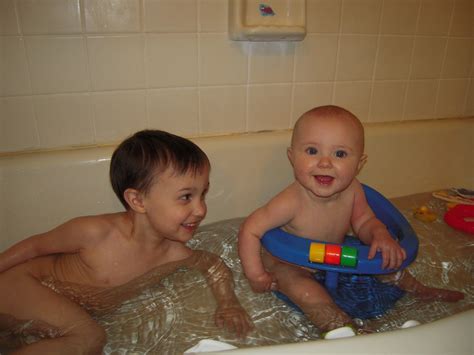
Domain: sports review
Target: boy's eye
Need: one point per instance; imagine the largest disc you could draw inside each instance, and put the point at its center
(311, 151)
(341, 154)
(186, 197)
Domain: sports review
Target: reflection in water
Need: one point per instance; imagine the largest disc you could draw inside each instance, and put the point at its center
(173, 314)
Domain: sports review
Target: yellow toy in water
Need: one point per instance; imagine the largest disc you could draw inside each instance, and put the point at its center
(424, 214)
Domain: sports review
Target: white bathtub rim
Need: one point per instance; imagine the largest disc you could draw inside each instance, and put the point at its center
(450, 335)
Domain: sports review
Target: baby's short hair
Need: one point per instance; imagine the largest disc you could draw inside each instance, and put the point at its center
(330, 111)
(138, 159)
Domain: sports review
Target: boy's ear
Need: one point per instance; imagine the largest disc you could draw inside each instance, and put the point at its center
(362, 161)
(134, 199)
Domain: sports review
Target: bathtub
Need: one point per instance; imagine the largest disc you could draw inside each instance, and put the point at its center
(40, 190)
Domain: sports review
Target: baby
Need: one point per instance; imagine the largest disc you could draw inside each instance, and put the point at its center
(53, 282)
(323, 203)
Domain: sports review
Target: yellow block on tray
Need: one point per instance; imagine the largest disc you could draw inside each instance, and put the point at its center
(316, 252)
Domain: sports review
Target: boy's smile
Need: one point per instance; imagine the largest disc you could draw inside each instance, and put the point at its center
(191, 227)
(175, 204)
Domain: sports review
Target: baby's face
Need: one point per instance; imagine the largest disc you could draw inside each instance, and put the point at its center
(176, 205)
(326, 154)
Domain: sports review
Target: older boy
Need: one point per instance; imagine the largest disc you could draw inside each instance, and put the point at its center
(51, 282)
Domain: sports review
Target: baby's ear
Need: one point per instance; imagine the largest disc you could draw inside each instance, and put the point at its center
(362, 161)
(134, 199)
(289, 154)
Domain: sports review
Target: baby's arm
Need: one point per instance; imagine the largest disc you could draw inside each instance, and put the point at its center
(229, 312)
(66, 238)
(373, 232)
(276, 213)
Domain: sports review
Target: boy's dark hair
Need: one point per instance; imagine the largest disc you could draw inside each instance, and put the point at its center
(139, 158)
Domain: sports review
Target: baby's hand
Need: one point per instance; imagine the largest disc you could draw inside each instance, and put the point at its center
(263, 283)
(392, 254)
(234, 318)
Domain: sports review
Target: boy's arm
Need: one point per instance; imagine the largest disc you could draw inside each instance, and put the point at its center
(219, 277)
(278, 212)
(66, 238)
(373, 232)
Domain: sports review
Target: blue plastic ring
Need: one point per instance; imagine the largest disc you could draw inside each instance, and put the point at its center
(295, 249)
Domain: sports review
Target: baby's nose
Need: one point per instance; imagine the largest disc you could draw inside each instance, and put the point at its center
(325, 162)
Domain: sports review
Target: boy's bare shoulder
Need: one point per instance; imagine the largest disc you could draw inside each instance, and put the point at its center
(100, 225)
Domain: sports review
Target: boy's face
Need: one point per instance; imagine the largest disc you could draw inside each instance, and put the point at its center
(175, 204)
(326, 154)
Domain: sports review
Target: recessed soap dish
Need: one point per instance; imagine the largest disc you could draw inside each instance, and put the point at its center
(270, 20)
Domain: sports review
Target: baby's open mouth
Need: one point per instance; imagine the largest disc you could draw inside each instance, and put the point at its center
(324, 179)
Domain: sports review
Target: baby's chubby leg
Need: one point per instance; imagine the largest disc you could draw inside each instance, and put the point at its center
(410, 284)
(25, 298)
(300, 286)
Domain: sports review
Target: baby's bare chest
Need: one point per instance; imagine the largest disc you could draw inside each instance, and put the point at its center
(326, 222)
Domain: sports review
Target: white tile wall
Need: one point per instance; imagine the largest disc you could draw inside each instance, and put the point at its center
(269, 107)
(458, 60)
(172, 59)
(271, 62)
(8, 18)
(112, 16)
(435, 17)
(421, 99)
(64, 119)
(18, 128)
(356, 57)
(355, 96)
(462, 23)
(174, 110)
(393, 58)
(14, 68)
(428, 57)
(388, 98)
(80, 72)
(316, 58)
(323, 16)
(307, 95)
(451, 97)
(361, 16)
(170, 15)
(117, 113)
(223, 109)
(57, 64)
(221, 61)
(399, 17)
(117, 62)
(49, 17)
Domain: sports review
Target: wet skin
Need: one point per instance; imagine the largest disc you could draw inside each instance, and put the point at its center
(40, 275)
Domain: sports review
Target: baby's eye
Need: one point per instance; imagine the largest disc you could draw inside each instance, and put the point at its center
(341, 154)
(311, 151)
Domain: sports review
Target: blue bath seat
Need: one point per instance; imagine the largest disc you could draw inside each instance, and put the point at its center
(353, 288)
(295, 249)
